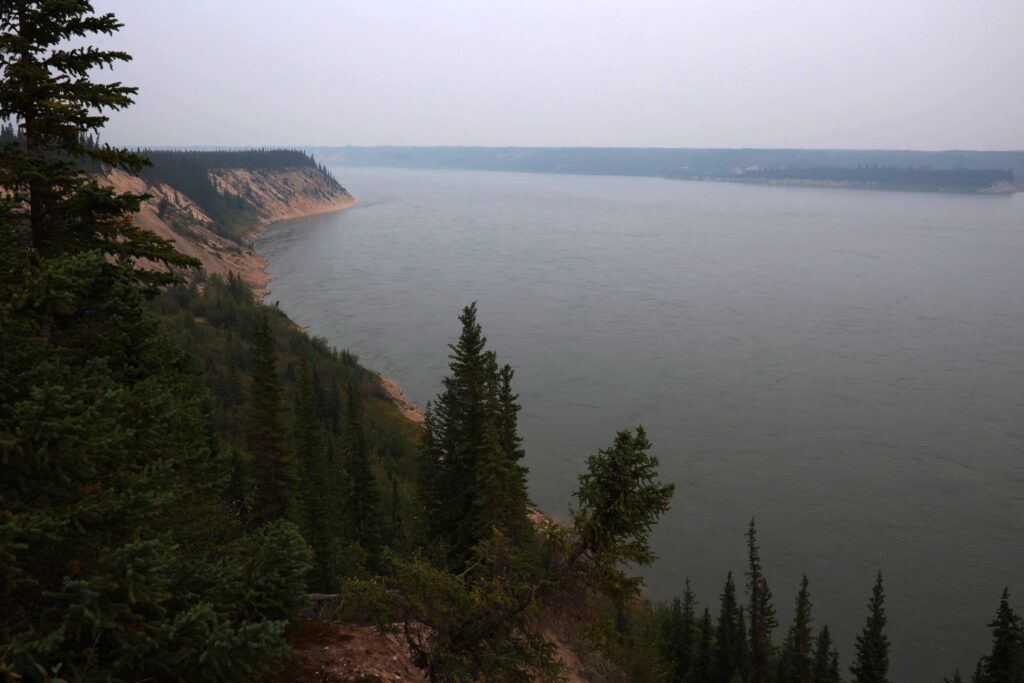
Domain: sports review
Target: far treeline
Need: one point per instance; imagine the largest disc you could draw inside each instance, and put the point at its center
(184, 472)
(665, 162)
(884, 177)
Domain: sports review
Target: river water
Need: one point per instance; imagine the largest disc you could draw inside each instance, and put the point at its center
(845, 366)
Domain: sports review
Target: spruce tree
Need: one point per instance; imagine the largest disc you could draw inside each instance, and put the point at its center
(1005, 663)
(316, 482)
(679, 634)
(704, 662)
(762, 612)
(46, 91)
(872, 653)
(727, 637)
(275, 494)
(826, 659)
(365, 497)
(746, 673)
(619, 500)
(471, 478)
(120, 557)
(796, 661)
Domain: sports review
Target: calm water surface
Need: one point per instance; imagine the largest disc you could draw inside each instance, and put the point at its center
(846, 366)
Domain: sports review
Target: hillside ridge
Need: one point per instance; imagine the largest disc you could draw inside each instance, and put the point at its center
(270, 194)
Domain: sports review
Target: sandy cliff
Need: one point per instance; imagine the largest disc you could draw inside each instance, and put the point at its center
(276, 195)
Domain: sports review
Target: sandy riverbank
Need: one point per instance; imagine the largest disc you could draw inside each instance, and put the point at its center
(256, 275)
(409, 409)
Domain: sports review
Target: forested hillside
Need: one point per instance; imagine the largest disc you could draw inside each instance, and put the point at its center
(185, 472)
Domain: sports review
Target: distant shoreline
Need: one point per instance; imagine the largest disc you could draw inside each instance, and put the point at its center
(1001, 188)
(961, 171)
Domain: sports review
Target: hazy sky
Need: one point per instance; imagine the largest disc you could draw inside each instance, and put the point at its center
(888, 74)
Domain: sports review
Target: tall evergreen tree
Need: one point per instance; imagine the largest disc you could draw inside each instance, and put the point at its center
(796, 661)
(704, 662)
(619, 500)
(319, 487)
(472, 480)
(276, 492)
(728, 647)
(47, 92)
(507, 420)
(1005, 663)
(872, 654)
(826, 659)
(679, 634)
(762, 612)
(365, 498)
(119, 560)
(746, 672)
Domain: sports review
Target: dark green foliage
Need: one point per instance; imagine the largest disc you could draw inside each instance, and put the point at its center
(365, 499)
(796, 661)
(323, 486)
(632, 641)
(9, 134)
(471, 480)
(826, 659)
(219, 327)
(46, 92)
(703, 665)
(113, 526)
(746, 672)
(121, 558)
(275, 490)
(762, 612)
(679, 635)
(619, 501)
(479, 623)
(729, 646)
(481, 620)
(871, 664)
(1005, 663)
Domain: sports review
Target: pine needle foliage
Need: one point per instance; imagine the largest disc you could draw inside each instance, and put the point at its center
(119, 559)
(871, 664)
(619, 499)
(471, 477)
(1005, 662)
(762, 612)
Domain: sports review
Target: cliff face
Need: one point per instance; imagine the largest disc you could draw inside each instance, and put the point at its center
(275, 194)
(282, 194)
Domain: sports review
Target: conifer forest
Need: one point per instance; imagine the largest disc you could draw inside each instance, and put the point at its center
(185, 472)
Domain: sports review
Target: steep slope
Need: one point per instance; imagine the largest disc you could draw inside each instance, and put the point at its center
(271, 195)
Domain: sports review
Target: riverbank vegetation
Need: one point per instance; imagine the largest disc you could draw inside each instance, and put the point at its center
(184, 470)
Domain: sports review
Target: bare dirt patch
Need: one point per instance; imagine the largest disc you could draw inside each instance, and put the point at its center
(356, 654)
